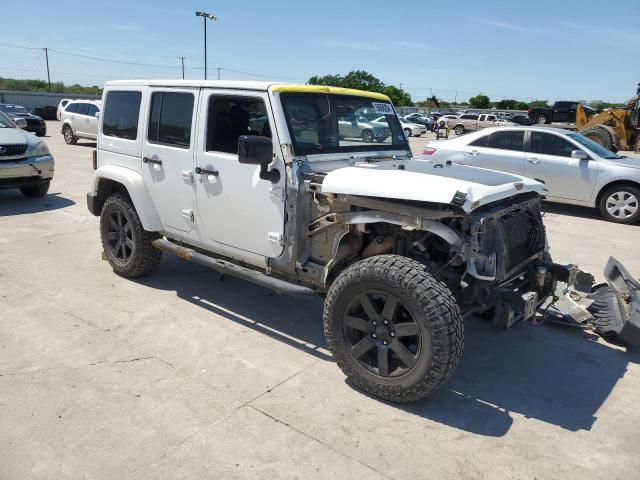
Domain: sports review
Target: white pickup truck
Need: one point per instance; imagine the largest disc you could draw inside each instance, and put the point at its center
(401, 249)
(470, 122)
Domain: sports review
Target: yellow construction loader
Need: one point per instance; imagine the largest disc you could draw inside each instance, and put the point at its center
(615, 128)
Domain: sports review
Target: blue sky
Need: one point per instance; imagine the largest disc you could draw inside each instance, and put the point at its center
(505, 49)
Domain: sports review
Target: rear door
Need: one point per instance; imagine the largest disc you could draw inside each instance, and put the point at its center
(80, 124)
(92, 121)
(235, 207)
(168, 156)
(502, 150)
(548, 159)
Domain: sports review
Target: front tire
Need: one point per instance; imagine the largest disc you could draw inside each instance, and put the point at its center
(621, 204)
(395, 331)
(407, 132)
(367, 136)
(36, 191)
(126, 244)
(600, 136)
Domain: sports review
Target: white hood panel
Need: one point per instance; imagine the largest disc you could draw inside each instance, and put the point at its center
(428, 181)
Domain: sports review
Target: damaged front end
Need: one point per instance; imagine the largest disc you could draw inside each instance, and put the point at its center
(610, 309)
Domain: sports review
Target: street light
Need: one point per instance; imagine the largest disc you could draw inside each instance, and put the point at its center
(211, 17)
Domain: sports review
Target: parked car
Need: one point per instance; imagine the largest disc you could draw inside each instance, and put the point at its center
(35, 124)
(521, 120)
(47, 113)
(412, 129)
(401, 250)
(445, 118)
(25, 161)
(470, 122)
(79, 120)
(359, 127)
(419, 119)
(61, 106)
(574, 169)
(563, 111)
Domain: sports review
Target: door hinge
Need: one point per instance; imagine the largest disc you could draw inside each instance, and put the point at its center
(188, 214)
(275, 237)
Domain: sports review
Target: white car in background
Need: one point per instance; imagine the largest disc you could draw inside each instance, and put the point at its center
(574, 169)
(80, 120)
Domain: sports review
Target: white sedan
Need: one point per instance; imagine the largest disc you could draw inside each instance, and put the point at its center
(575, 169)
(410, 129)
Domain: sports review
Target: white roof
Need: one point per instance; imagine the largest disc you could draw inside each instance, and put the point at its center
(235, 84)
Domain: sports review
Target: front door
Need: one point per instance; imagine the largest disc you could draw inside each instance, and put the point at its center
(168, 155)
(548, 159)
(234, 206)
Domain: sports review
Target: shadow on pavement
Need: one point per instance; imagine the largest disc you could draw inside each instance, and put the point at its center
(88, 144)
(574, 211)
(12, 202)
(554, 374)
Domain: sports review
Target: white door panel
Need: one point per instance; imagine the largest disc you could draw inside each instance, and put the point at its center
(235, 207)
(565, 177)
(164, 165)
(509, 161)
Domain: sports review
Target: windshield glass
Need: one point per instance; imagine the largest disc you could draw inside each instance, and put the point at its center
(320, 123)
(5, 122)
(593, 146)
(13, 109)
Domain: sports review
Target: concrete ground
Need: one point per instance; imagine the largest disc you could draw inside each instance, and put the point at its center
(180, 375)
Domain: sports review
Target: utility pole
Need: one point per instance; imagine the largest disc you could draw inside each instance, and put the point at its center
(182, 59)
(400, 85)
(219, 72)
(205, 16)
(46, 56)
(455, 99)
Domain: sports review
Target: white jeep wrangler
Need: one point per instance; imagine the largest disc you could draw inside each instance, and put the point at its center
(256, 180)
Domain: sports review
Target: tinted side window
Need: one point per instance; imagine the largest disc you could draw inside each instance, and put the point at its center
(230, 117)
(71, 108)
(121, 111)
(170, 119)
(507, 140)
(92, 109)
(81, 108)
(549, 144)
(469, 117)
(480, 142)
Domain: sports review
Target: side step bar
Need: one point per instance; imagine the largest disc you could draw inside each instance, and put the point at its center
(222, 266)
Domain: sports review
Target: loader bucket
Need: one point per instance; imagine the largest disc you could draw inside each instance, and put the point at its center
(616, 306)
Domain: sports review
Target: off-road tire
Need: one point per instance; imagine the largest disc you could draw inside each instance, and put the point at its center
(600, 136)
(144, 258)
(604, 196)
(459, 130)
(37, 190)
(69, 137)
(432, 307)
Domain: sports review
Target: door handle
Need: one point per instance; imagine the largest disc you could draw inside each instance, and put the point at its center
(152, 160)
(534, 161)
(204, 171)
(475, 153)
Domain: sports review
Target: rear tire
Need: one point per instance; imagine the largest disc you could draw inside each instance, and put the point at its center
(36, 191)
(126, 244)
(395, 331)
(459, 130)
(541, 119)
(600, 136)
(69, 137)
(620, 204)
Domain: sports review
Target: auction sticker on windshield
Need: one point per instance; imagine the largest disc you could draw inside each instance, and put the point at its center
(383, 108)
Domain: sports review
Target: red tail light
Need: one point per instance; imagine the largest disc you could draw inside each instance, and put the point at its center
(429, 151)
(95, 159)
(530, 110)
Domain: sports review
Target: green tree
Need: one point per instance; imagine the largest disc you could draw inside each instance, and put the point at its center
(362, 80)
(480, 101)
(42, 86)
(539, 103)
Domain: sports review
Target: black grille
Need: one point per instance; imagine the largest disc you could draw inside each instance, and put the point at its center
(522, 237)
(34, 122)
(12, 150)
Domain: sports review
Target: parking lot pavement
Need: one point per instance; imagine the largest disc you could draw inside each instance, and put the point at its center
(180, 375)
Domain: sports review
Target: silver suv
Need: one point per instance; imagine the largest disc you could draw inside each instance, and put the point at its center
(80, 120)
(25, 161)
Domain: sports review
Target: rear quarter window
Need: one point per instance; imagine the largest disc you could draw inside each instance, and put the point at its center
(121, 114)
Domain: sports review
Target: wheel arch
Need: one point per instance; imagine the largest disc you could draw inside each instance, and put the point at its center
(614, 183)
(112, 179)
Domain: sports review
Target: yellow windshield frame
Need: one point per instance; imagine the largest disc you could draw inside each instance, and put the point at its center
(329, 90)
